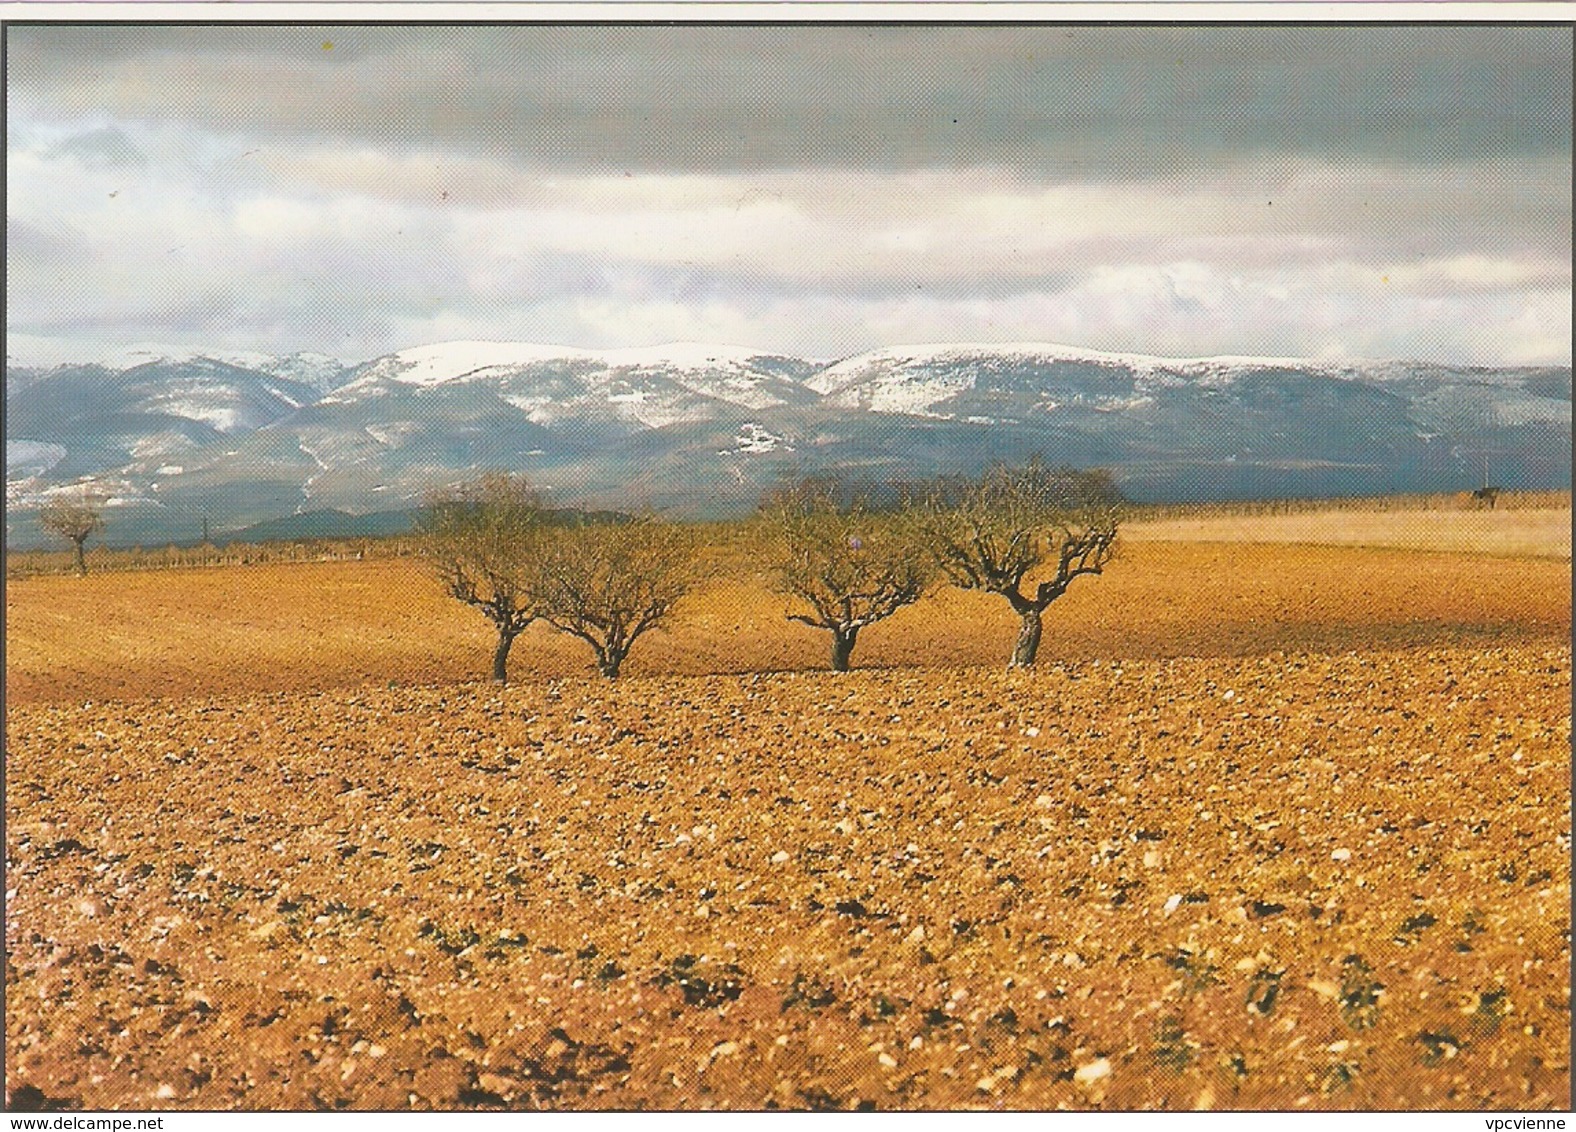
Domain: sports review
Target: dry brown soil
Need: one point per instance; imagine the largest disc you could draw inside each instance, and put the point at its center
(312, 626)
(1271, 827)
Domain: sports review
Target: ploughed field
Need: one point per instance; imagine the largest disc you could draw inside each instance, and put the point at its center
(1269, 827)
(318, 625)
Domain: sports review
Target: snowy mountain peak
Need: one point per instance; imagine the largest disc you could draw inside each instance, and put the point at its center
(916, 378)
(646, 385)
(316, 371)
(144, 352)
(445, 361)
(952, 353)
(448, 361)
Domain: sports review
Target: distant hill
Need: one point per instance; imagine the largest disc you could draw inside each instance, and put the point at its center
(698, 429)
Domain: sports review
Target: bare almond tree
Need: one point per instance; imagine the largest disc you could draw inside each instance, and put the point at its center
(483, 540)
(1022, 532)
(849, 565)
(609, 582)
(77, 520)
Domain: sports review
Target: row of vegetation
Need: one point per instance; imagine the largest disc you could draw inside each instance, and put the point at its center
(1024, 533)
(174, 556)
(1482, 499)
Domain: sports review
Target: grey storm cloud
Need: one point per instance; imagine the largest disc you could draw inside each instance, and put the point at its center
(1060, 100)
(810, 188)
(105, 148)
(30, 245)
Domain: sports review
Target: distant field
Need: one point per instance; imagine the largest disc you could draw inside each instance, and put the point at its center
(1274, 825)
(312, 625)
(1438, 501)
(1441, 522)
(1532, 532)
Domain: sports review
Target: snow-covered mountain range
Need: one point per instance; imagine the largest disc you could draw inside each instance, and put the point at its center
(649, 388)
(240, 438)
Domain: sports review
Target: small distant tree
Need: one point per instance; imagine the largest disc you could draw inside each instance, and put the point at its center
(608, 582)
(852, 567)
(76, 519)
(1022, 532)
(1487, 495)
(483, 540)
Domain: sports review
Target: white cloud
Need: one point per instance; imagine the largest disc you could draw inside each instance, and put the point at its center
(362, 250)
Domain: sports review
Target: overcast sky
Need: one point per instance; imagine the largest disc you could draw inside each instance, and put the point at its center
(1334, 192)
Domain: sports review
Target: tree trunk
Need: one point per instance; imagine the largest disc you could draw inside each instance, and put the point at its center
(82, 563)
(843, 648)
(501, 658)
(1028, 645)
(608, 662)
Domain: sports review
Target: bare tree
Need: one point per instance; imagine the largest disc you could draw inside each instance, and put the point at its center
(850, 566)
(1024, 533)
(76, 519)
(483, 540)
(1487, 495)
(609, 582)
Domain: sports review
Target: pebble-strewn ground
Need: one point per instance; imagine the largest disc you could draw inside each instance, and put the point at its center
(1295, 879)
